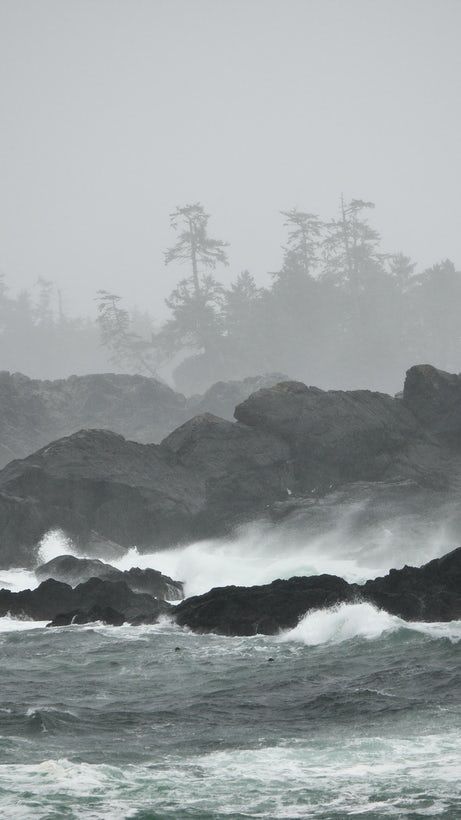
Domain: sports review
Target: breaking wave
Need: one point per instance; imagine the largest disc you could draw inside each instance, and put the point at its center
(361, 620)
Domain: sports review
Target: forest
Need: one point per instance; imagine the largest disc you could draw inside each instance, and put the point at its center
(341, 312)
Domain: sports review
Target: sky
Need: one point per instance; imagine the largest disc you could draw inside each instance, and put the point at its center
(113, 112)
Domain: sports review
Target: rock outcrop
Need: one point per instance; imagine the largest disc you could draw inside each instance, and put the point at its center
(434, 397)
(96, 482)
(51, 598)
(222, 398)
(34, 412)
(200, 481)
(338, 436)
(428, 593)
(102, 614)
(289, 443)
(263, 609)
(72, 570)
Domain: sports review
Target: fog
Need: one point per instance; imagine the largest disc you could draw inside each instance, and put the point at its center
(116, 112)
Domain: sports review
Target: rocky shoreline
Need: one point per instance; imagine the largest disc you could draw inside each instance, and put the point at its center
(292, 454)
(431, 592)
(289, 444)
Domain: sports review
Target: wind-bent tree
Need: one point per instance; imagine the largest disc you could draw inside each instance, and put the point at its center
(194, 246)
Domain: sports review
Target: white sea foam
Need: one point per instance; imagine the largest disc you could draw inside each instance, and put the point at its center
(17, 579)
(55, 543)
(344, 776)
(10, 624)
(253, 558)
(259, 554)
(362, 620)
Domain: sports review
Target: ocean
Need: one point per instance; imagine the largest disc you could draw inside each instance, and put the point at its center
(354, 713)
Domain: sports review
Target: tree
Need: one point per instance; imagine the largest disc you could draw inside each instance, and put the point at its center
(240, 304)
(43, 308)
(193, 245)
(195, 321)
(196, 301)
(402, 269)
(127, 348)
(302, 248)
(351, 246)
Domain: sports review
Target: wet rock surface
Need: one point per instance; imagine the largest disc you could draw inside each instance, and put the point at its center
(290, 444)
(52, 598)
(428, 593)
(72, 570)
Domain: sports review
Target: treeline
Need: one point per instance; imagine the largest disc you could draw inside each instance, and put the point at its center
(339, 313)
(39, 339)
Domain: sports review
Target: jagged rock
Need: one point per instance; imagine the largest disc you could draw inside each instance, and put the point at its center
(341, 436)
(52, 598)
(34, 412)
(205, 476)
(72, 570)
(210, 474)
(96, 482)
(261, 609)
(242, 469)
(428, 593)
(434, 397)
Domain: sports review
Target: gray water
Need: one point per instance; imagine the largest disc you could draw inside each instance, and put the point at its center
(358, 714)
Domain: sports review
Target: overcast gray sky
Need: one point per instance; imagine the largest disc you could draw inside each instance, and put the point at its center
(115, 111)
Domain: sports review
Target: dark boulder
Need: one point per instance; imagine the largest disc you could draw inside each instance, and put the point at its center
(205, 477)
(105, 615)
(337, 436)
(72, 570)
(434, 397)
(52, 598)
(242, 470)
(428, 593)
(261, 609)
(96, 482)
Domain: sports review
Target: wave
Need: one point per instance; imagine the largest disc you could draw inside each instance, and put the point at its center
(362, 620)
(17, 579)
(253, 558)
(259, 553)
(10, 624)
(361, 774)
(55, 543)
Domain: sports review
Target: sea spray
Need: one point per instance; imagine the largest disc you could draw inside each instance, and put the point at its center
(364, 621)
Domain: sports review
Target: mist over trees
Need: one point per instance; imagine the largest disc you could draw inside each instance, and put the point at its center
(341, 312)
(39, 339)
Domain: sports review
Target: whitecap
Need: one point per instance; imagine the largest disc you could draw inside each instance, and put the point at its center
(361, 620)
(10, 624)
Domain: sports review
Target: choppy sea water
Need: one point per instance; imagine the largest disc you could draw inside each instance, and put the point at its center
(353, 713)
